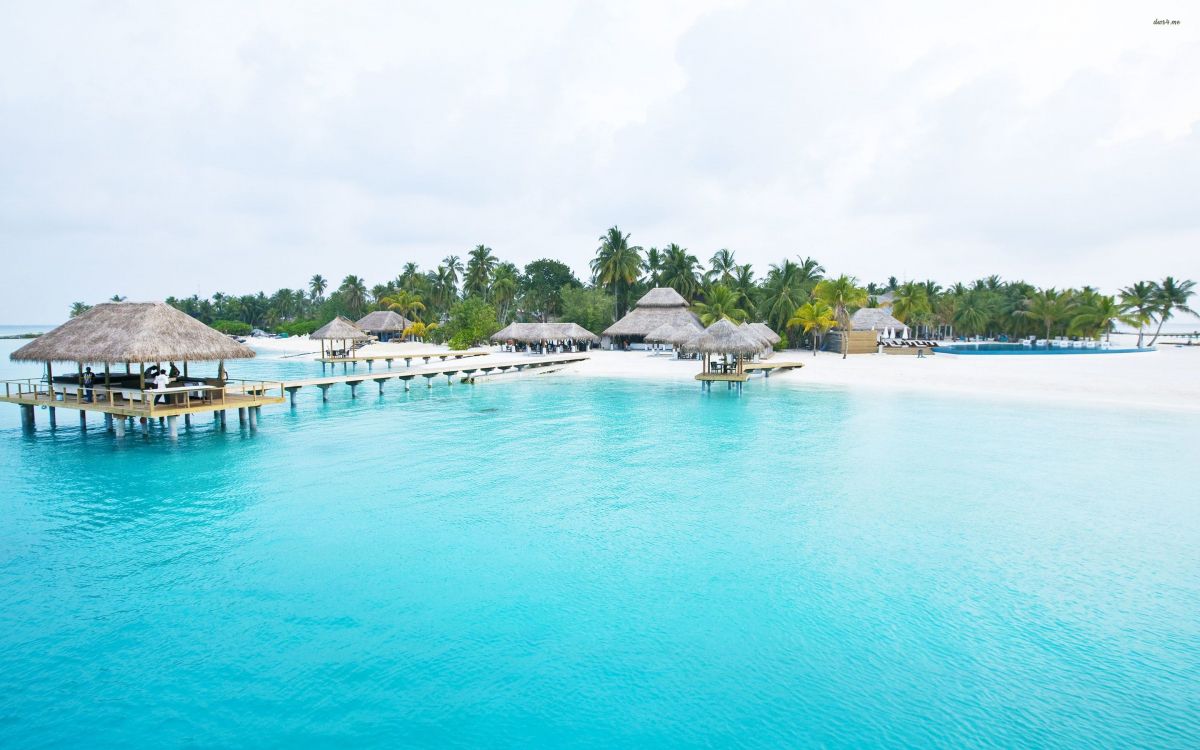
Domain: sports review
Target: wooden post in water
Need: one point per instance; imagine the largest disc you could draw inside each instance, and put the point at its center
(253, 413)
(119, 426)
(241, 415)
(173, 426)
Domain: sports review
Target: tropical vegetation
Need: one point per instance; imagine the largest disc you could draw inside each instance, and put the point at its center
(795, 297)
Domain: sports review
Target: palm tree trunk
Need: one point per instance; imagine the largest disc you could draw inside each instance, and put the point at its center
(1140, 335)
(1162, 319)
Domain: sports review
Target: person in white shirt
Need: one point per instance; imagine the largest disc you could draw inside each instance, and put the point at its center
(160, 384)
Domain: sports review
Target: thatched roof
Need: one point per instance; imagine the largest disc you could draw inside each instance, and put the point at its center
(132, 332)
(659, 306)
(873, 319)
(723, 337)
(765, 333)
(662, 296)
(384, 321)
(669, 333)
(339, 329)
(532, 332)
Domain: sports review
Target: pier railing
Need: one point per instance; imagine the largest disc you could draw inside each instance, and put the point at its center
(233, 393)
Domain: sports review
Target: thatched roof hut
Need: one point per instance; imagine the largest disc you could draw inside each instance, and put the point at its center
(674, 334)
(723, 337)
(383, 321)
(874, 319)
(657, 307)
(765, 333)
(537, 332)
(340, 329)
(132, 332)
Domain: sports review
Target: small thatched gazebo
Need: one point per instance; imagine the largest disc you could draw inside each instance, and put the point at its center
(725, 338)
(339, 329)
(128, 332)
(675, 334)
(765, 333)
(384, 324)
(657, 307)
(537, 333)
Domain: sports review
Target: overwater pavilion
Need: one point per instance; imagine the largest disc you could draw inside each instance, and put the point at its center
(725, 339)
(339, 329)
(119, 336)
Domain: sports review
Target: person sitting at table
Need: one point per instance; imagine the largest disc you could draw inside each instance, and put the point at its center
(152, 372)
(160, 384)
(174, 371)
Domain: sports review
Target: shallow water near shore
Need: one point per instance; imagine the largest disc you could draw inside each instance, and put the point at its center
(593, 562)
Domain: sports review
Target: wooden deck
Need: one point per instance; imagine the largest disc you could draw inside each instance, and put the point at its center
(467, 369)
(766, 368)
(122, 402)
(408, 357)
(723, 377)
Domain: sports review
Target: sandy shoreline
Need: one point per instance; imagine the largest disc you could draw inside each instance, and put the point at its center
(1168, 378)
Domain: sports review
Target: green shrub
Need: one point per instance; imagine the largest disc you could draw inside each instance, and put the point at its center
(232, 327)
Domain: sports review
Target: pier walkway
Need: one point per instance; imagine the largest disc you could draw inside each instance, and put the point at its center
(468, 369)
(408, 357)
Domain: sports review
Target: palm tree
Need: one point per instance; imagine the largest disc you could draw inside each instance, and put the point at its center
(910, 302)
(815, 318)
(616, 266)
(1048, 307)
(654, 264)
(743, 283)
(316, 287)
(480, 264)
(720, 302)
(788, 286)
(722, 267)
(680, 271)
(417, 330)
(843, 295)
(79, 308)
(354, 294)
(404, 302)
(1171, 297)
(1139, 301)
(454, 270)
(117, 298)
(1098, 315)
(972, 310)
(505, 284)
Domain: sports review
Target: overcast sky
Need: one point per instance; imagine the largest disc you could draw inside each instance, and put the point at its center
(151, 149)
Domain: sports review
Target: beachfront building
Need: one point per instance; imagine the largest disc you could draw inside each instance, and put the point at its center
(657, 307)
(125, 345)
(384, 325)
(569, 337)
(343, 337)
(869, 326)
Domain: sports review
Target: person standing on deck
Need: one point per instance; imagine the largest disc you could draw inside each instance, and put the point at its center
(160, 384)
(88, 379)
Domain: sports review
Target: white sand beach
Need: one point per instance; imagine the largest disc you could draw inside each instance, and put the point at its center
(1168, 378)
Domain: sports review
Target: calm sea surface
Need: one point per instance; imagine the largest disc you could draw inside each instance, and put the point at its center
(567, 562)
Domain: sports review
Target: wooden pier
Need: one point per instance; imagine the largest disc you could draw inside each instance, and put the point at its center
(467, 369)
(408, 357)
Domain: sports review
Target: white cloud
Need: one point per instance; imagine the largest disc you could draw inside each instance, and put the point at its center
(162, 149)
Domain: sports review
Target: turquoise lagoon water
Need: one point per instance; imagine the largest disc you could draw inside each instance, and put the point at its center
(561, 562)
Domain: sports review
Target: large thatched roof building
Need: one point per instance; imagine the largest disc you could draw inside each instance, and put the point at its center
(383, 324)
(659, 306)
(143, 332)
